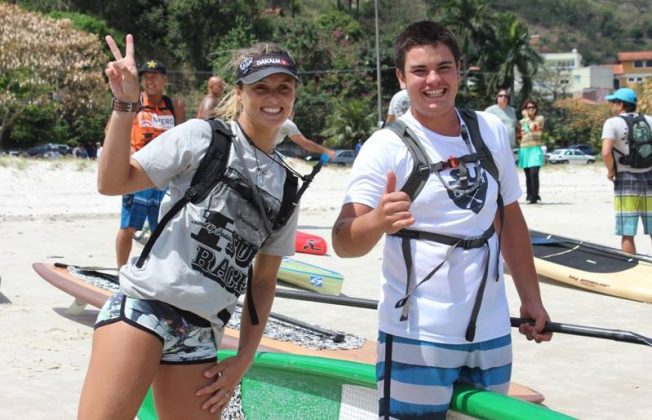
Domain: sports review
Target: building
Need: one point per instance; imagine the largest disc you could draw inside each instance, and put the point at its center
(563, 75)
(563, 62)
(592, 82)
(633, 67)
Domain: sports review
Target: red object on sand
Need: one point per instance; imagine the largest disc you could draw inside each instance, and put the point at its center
(310, 244)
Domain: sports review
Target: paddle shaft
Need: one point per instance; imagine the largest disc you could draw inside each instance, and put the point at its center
(581, 330)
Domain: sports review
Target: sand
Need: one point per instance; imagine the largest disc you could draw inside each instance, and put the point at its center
(50, 211)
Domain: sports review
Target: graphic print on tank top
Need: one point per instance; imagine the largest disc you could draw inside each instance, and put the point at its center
(222, 256)
(473, 200)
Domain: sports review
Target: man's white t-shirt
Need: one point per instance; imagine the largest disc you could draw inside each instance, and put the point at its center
(615, 128)
(440, 308)
(288, 129)
(200, 262)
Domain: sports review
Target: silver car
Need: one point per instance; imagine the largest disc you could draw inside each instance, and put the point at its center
(569, 156)
(343, 157)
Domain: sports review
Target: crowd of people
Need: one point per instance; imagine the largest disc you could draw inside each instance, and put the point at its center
(443, 301)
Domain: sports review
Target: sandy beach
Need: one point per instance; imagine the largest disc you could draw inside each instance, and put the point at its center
(50, 211)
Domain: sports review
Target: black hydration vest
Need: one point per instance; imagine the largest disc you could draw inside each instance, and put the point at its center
(210, 172)
(421, 171)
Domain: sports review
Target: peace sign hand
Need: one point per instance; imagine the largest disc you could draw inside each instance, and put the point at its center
(122, 73)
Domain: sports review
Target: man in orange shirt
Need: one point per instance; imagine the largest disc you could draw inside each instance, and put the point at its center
(156, 114)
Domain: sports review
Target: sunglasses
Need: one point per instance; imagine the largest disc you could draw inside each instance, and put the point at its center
(530, 107)
(502, 95)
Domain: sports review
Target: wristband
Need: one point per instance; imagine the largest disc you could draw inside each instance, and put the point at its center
(121, 106)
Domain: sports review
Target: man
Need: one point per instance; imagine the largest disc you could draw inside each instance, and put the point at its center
(505, 113)
(435, 289)
(290, 130)
(156, 114)
(212, 98)
(632, 186)
(398, 105)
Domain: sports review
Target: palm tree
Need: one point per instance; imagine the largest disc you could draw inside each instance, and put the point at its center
(511, 52)
(472, 23)
(352, 121)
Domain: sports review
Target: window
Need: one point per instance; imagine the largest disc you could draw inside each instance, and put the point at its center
(648, 63)
(638, 63)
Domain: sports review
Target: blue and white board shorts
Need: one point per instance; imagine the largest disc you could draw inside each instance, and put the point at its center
(422, 374)
(633, 200)
(140, 206)
(184, 341)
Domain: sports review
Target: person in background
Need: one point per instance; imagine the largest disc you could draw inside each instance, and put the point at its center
(632, 186)
(165, 325)
(441, 275)
(506, 114)
(398, 105)
(290, 130)
(156, 113)
(530, 152)
(358, 146)
(212, 98)
(80, 151)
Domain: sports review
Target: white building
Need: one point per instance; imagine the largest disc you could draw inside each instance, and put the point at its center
(562, 74)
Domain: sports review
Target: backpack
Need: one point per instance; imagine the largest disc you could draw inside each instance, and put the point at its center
(421, 171)
(639, 140)
(209, 173)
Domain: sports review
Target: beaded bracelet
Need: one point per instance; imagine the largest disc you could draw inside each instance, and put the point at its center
(121, 106)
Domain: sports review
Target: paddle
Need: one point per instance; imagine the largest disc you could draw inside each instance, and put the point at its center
(609, 334)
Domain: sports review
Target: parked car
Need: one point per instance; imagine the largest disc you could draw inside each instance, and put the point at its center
(569, 156)
(10, 152)
(343, 157)
(587, 149)
(49, 150)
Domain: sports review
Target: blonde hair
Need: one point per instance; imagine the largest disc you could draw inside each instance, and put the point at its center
(229, 107)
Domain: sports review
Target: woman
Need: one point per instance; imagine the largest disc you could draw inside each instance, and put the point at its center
(530, 153)
(165, 325)
(506, 114)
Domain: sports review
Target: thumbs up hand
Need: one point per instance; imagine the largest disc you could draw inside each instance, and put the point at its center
(393, 211)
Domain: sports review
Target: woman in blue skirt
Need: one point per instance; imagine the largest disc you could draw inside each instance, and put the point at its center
(530, 153)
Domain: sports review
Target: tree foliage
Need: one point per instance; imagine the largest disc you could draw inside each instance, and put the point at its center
(46, 63)
(352, 122)
(576, 121)
(334, 45)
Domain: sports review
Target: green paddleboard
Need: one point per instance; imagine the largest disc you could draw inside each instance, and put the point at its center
(285, 386)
